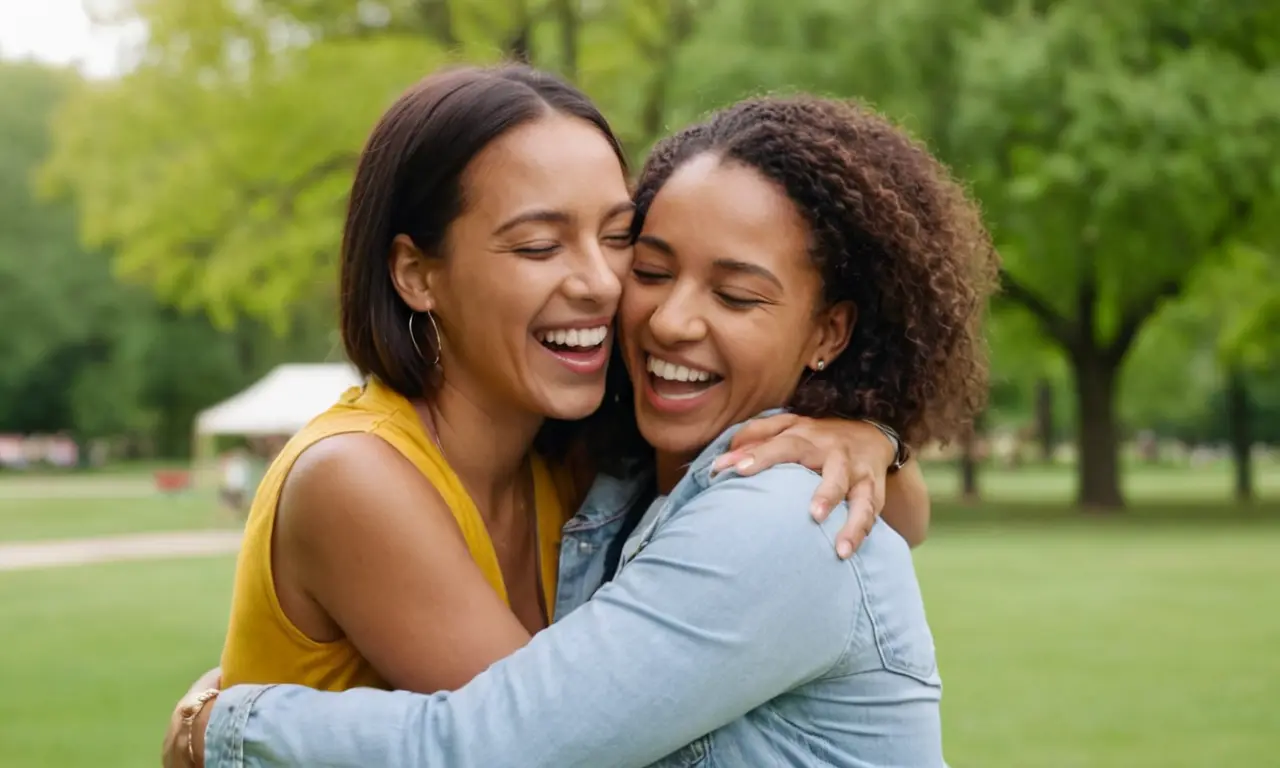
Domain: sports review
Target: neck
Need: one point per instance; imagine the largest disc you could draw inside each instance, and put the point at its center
(671, 467)
(484, 444)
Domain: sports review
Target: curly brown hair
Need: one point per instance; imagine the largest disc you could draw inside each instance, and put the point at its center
(891, 231)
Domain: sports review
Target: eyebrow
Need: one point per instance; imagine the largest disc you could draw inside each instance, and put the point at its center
(733, 265)
(626, 206)
(555, 217)
(543, 215)
(658, 243)
(729, 265)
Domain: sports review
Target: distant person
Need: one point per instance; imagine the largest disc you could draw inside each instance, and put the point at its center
(675, 630)
(237, 469)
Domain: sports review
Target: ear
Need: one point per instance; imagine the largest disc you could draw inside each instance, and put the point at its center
(411, 273)
(834, 329)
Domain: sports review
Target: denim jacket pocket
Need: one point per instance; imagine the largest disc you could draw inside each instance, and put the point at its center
(896, 610)
(689, 756)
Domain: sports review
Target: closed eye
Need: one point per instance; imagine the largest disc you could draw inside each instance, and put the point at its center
(537, 251)
(738, 302)
(648, 275)
(618, 240)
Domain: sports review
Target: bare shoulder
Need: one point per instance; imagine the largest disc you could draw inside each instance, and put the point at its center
(350, 480)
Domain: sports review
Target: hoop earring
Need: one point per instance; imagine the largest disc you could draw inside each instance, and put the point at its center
(414, 338)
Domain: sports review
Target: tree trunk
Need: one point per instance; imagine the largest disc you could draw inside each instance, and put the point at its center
(567, 13)
(1239, 410)
(438, 18)
(1044, 418)
(1098, 473)
(969, 463)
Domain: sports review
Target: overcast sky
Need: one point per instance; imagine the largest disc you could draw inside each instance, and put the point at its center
(58, 32)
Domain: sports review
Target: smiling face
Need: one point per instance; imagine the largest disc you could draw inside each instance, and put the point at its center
(723, 308)
(529, 282)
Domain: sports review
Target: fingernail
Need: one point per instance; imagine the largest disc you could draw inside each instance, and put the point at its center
(745, 464)
(844, 549)
(817, 509)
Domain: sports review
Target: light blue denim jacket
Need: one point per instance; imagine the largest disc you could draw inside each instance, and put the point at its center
(732, 637)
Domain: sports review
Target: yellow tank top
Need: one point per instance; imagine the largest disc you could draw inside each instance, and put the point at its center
(263, 645)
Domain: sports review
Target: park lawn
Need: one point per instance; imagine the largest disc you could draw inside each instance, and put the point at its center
(95, 657)
(35, 519)
(1096, 645)
(1069, 643)
(1057, 483)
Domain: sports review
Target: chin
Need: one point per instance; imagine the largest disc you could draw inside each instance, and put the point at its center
(671, 436)
(574, 406)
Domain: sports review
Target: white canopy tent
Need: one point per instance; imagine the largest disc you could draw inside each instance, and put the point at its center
(280, 403)
(277, 405)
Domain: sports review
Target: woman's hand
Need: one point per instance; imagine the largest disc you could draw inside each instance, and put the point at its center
(852, 456)
(174, 753)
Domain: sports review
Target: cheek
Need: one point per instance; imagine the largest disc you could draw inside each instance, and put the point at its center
(620, 262)
(764, 354)
(633, 313)
(499, 297)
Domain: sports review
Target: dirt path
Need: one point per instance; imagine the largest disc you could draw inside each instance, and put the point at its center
(106, 549)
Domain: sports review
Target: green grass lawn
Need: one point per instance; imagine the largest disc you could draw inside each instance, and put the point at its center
(1097, 646)
(1063, 644)
(34, 519)
(1057, 483)
(95, 657)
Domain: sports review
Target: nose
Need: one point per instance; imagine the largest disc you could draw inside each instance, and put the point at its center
(593, 280)
(677, 319)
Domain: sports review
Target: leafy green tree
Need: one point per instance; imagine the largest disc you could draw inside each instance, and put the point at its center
(1232, 309)
(91, 355)
(56, 299)
(217, 171)
(1118, 147)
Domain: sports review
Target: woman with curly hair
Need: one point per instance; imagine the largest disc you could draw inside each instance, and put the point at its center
(791, 253)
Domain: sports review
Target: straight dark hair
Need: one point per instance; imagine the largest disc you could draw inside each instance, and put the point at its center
(409, 181)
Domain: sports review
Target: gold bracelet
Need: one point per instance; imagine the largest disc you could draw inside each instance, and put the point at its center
(189, 714)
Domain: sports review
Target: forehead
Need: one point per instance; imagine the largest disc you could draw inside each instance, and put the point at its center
(725, 209)
(555, 161)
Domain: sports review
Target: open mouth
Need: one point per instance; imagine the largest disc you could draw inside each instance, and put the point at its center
(678, 384)
(580, 349)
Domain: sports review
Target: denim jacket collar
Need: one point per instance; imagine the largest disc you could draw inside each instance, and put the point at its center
(699, 475)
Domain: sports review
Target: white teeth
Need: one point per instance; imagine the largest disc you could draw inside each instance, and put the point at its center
(672, 372)
(575, 337)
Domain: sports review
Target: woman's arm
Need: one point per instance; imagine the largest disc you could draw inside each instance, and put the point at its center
(734, 601)
(907, 508)
(367, 549)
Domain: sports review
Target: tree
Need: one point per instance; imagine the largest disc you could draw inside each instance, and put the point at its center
(93, 356)
(1233, 307)
(58, 297)
(217, 171)
(1117, 147)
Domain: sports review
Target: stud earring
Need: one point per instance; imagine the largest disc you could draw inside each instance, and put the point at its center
(821, 364)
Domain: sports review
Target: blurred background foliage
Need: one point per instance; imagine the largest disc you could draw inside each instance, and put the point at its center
(171, 233)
